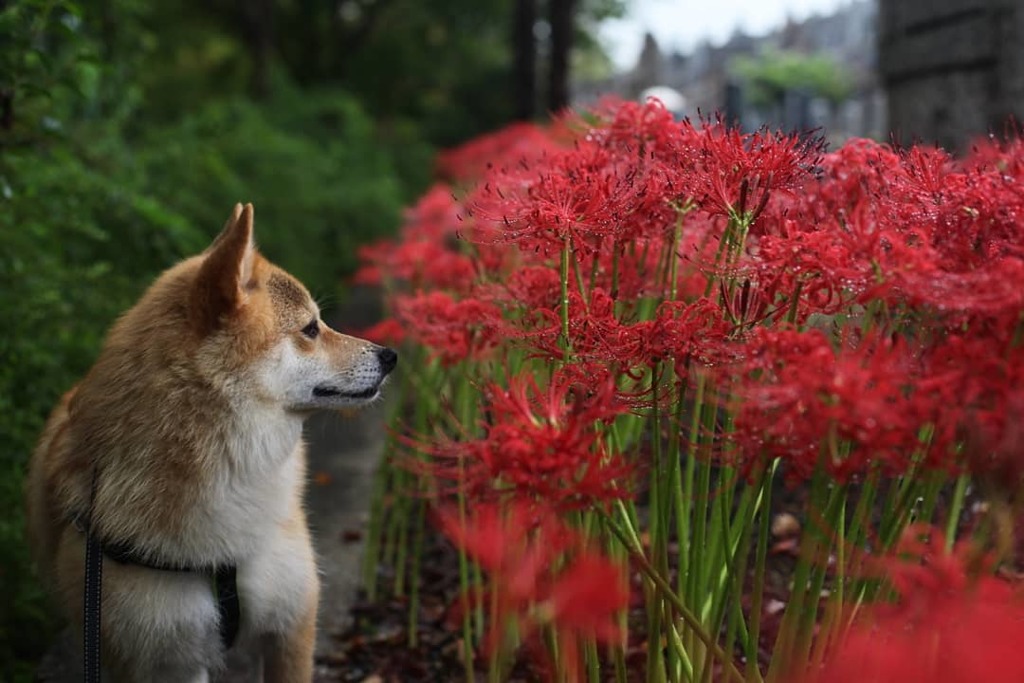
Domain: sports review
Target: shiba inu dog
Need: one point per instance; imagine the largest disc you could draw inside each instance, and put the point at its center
(181, 453)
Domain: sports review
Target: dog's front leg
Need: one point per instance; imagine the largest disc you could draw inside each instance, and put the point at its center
(289, 656)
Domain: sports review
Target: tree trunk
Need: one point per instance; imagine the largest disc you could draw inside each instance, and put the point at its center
(525, 69)
(561, 17)
(258, 33)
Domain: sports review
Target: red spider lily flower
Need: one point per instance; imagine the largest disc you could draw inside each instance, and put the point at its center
(582, 604)
(578, 196)
(734, 174)
(387, 332)
(586, 594)
(373, 258)
(1003, 155)
(494, 536)
(532, 288)
(646, 138)
(540, 444)
(541, 572)
(421, 263)
(430, 265)
(835, 233)
(425, 256)
(680, 333)
(594, 329)
(915, 228)
(950, 623)
(848, 410)
(512, 144)
(912, 229)
(981, 376)
(451, 330)
(641, 129)
(435, 216)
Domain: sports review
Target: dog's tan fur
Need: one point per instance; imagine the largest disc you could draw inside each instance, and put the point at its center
(192, 420)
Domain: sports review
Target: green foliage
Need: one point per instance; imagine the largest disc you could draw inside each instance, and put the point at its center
(76, 249)
(772, 74)
(319, 182)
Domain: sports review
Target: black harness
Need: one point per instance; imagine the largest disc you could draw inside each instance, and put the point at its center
(224, 578)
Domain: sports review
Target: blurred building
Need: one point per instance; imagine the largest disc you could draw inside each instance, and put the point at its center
(709, 82)
(953, 69)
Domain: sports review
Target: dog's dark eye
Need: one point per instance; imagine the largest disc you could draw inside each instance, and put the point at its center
(312, 330)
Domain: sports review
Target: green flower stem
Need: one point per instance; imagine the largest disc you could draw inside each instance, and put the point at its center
(593, 663)
(382, 486)
(657, 534)
(629, 538)
(595, 265)
(956, 507)
(677, 232)
(729, 227)
(858, 535)
(618, 657)
(564, 304)
(615, 272)
(414, 578)
(834, 520)
(728, 589)
(466, 581)
(580, 285)
(683, 669)
(794, 304)
(464, 586)
(403, 510)
(685, 499)
(678, 490)
(655, 663)
(760, 563)
(497, 659)
(398, 538)
(702, 557)
(785, 642)
(930, 500)
(371, 555)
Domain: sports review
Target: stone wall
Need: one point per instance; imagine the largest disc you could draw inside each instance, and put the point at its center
(953, 69)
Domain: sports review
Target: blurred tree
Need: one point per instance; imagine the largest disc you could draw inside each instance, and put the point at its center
(772, 74)
(560, 14)
(524, 44)
(454, 67)
(257, 27)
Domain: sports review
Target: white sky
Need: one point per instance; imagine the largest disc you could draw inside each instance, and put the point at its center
(681, 24)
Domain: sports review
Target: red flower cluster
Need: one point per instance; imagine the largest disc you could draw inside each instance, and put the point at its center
(846, 410)
(579, 197)
(540, 444)
(916, 228)
(426, 256)
(952, 622)
(451, 330)
(862, 307)
(542, 573)
(515, 143)
(733, 174)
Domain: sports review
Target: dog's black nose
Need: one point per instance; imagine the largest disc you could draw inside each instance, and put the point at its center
(388, 359)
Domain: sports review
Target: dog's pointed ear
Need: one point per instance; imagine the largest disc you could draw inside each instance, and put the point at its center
(226, 272)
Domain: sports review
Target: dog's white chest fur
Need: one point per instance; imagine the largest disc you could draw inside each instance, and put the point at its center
(255, 508)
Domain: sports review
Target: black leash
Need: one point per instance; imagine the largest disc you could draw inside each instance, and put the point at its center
(225, 582)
